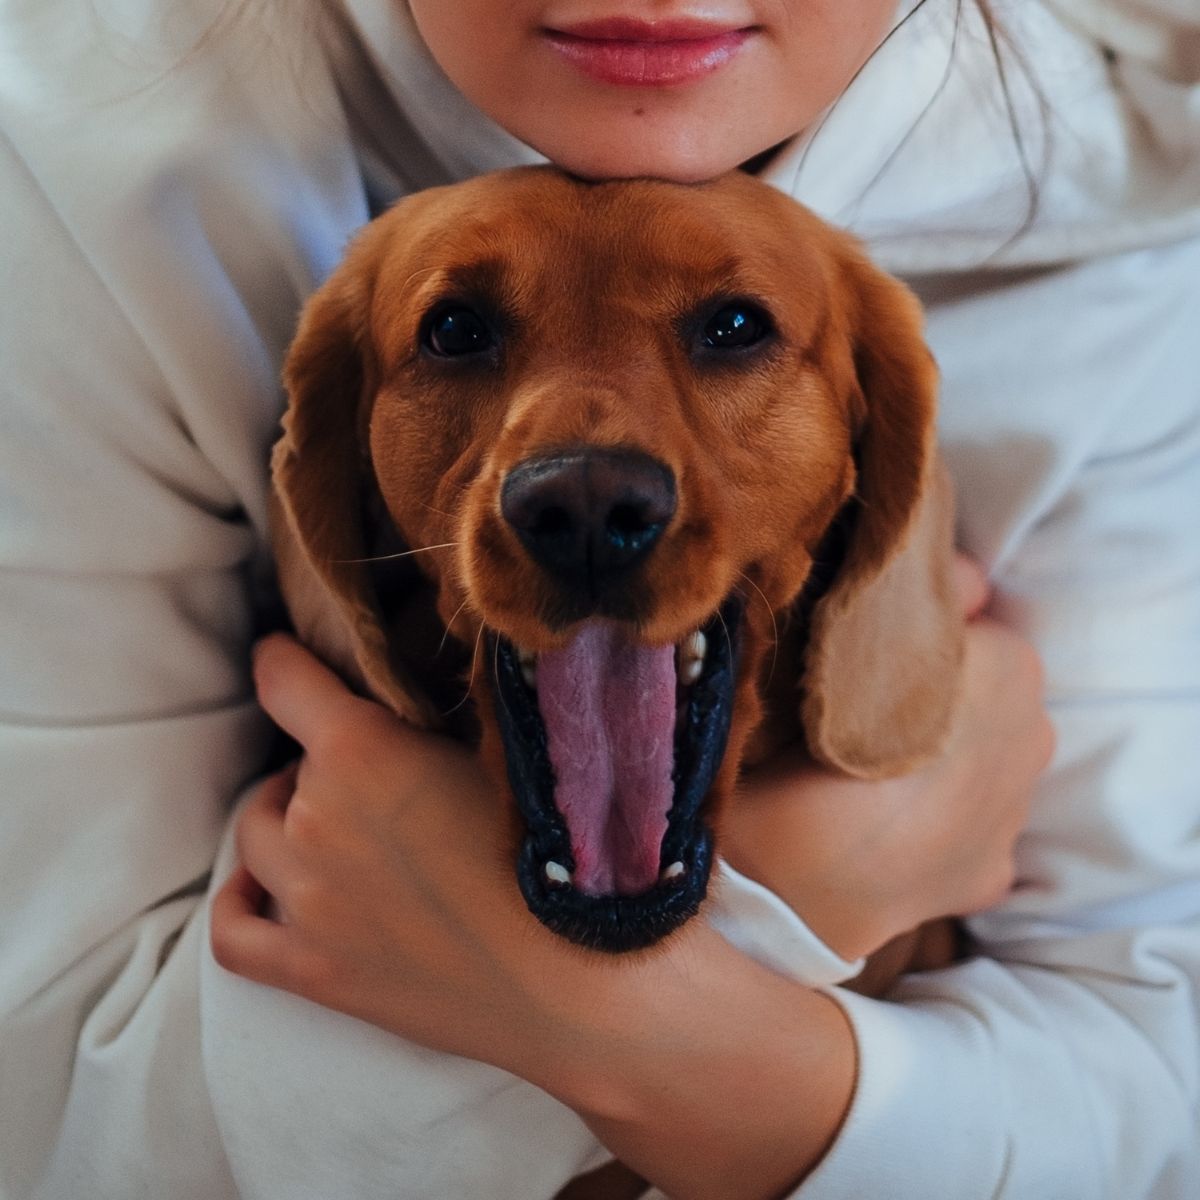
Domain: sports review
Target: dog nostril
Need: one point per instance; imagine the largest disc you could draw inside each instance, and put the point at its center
(624, 520)
(628, 528)
(551, 522)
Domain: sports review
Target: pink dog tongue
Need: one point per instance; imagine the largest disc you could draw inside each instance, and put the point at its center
(609, 711)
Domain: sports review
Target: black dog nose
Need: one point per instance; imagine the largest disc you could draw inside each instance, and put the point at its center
(588, 515)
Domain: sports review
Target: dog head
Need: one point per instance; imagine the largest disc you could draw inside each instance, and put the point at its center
(647, 471)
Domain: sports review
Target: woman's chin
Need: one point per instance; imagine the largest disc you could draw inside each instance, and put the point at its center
(676, 159)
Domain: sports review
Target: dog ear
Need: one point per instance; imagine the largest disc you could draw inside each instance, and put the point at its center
(885, 640)
(321, 504)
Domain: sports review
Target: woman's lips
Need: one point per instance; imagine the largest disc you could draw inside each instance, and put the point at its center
(643, 54)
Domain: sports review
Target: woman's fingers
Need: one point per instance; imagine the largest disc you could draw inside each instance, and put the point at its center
(254, 946)
(309, 701)
(244, 941)
(972, 586)
(261, 843)
(240, 895)
(300, 693)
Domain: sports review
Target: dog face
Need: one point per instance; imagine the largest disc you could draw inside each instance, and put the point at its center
(616, 425)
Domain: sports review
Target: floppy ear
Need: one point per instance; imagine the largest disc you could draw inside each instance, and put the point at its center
(885, 641)
(321, 504)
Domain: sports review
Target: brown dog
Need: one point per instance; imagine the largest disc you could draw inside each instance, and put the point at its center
(646, 473)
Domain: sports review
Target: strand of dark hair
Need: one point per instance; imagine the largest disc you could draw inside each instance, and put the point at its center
(1000, 42)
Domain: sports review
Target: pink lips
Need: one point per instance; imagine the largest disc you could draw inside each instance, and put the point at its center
(633, 53)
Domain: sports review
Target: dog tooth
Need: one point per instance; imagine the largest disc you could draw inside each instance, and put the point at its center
(557, 873)
(691, 657)
(528, 661)
(672, 872)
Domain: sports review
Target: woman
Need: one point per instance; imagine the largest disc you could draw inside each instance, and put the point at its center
(178, 177)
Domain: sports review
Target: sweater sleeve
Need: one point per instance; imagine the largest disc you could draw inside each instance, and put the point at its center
(126, 725)
(1065, 1060)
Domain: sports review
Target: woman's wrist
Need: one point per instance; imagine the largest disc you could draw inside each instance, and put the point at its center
(702, 1070)
(811, 837)
(851, 920)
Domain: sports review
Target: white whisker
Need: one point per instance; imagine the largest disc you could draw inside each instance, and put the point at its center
(421, 271)
(470, 679)
(449, 624)
(728, 639)
(496, 678)
(401, 554)
(774, 626)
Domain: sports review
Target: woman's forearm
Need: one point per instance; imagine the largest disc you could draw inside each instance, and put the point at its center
(705, 1072)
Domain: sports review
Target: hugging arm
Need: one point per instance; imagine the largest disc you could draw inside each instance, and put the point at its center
(690, 1045)
(125, 728)
(1064, 1060)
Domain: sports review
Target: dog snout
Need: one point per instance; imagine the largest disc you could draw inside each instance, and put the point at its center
(589, 516)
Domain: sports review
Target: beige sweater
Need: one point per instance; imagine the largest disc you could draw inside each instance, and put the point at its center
(173, 183)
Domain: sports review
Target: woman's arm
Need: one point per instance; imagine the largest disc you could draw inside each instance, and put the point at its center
(702, 1070)
(396, 905)
(126, 726)
(386, 860)
(691, 1045)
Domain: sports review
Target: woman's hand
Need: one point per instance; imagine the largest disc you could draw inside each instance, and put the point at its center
(394, 901)
(863, 862)
(384, 859)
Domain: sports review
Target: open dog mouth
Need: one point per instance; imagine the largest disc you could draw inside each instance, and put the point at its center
(611, 749)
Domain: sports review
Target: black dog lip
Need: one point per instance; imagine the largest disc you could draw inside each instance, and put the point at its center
(619, 923)
(703, 735)
(530, 773)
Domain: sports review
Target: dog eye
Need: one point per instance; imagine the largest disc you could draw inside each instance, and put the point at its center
(455, 331)
(734, 326)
